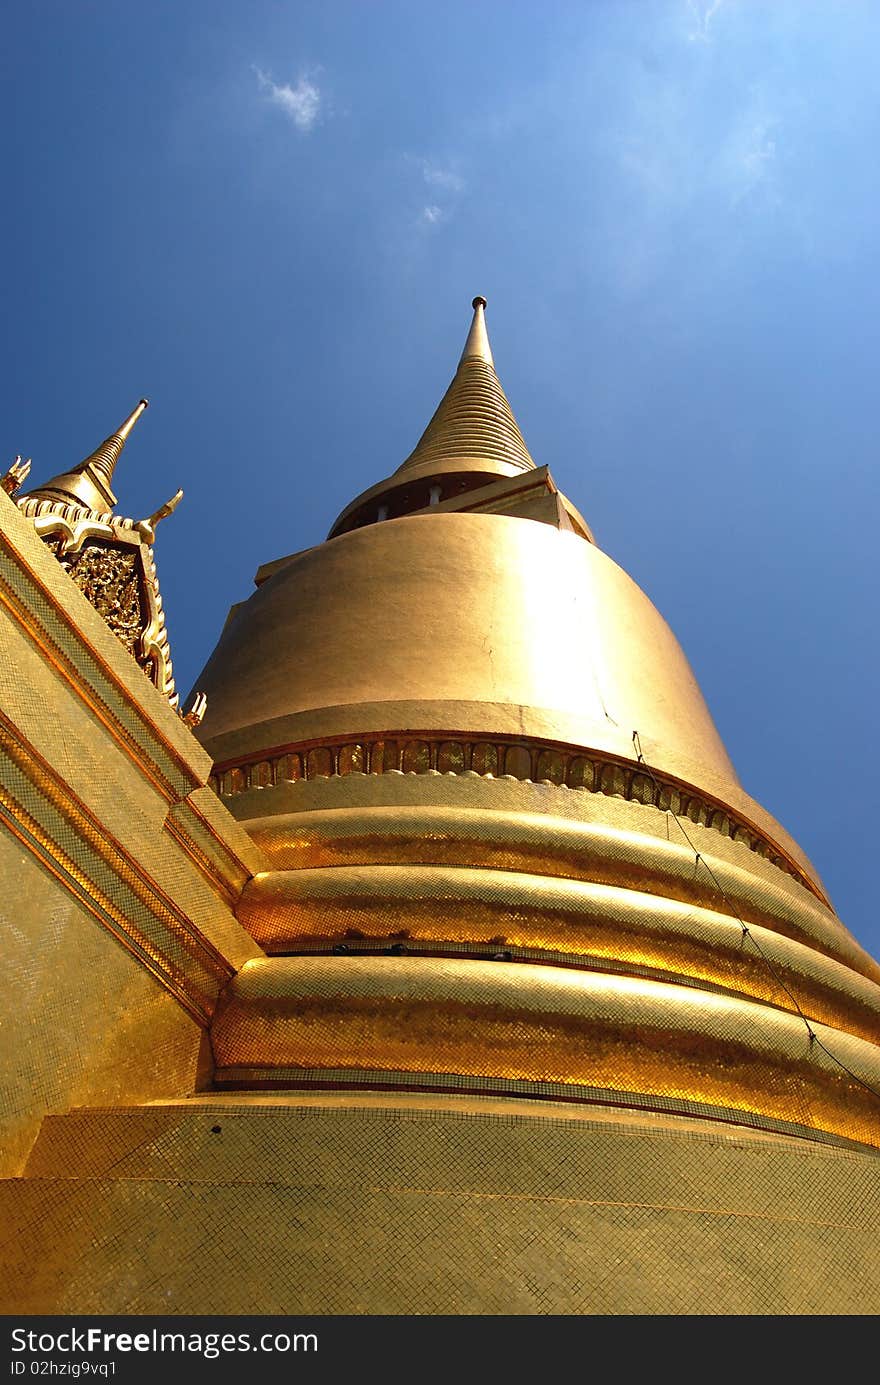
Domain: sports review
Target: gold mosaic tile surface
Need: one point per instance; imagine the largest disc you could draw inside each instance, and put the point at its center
(328, 1209)
(81, 1021)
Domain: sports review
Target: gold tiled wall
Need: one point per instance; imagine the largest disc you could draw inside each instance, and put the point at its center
(82, 1022)
(119, 871)
(335, 1205)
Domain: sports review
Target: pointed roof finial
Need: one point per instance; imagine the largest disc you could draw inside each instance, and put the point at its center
(472, 437)
(473, 428)
(477, 345)
(89, 483)
(105, 457)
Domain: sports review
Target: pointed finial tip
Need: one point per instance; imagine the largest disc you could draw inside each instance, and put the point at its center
(479, 302)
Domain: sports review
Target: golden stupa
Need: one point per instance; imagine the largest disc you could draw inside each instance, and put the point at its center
(452, 972)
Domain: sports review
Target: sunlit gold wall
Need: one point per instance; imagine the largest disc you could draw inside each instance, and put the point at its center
(483, 610)
(119, 869)
(83, 1024)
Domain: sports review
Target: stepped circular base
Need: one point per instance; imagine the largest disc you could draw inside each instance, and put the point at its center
(405, 1204)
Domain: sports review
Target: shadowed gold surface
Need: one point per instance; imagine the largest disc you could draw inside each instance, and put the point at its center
(79, 851)
(83, 1023)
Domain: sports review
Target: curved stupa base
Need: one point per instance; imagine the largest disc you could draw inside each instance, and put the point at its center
(461, 932)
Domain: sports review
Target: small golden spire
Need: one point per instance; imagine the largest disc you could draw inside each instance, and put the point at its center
(89, 483)
(105, 457)
(477, 344)
(473, 422)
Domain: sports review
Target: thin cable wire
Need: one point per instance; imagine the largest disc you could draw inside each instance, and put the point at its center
(799, 1096)
(747, 933)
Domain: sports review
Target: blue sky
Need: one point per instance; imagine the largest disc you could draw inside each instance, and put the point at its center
(271, 218)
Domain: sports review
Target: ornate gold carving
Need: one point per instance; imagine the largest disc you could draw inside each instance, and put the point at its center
(112, 563)
(95, 681)
(320, 762)
(352, 759)
(416, 757)
(484, 758)
(565, 766)
(450, 757)
(551, 767)
(109, 577)
(233, 782)
(68, 531)
(261, 775)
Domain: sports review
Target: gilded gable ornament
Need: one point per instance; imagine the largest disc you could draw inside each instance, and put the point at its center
(109, 557)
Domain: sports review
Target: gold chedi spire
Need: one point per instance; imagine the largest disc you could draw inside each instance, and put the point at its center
(472, 440)
(88, 483)
(473, 421)
(464, 738)
(105, 457)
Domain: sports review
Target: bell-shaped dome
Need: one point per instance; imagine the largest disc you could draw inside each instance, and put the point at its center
(463, 737)
(488, 612)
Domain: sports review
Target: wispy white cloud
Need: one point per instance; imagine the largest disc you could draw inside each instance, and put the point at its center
(442, 186)
(301, 102)
(437, 176)
(702, 12)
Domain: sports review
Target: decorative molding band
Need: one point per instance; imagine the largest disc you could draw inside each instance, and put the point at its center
(205, 861)
(220, 866)
(66, 837)
(280, 1078)
(547, 1024)
(549, 762)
